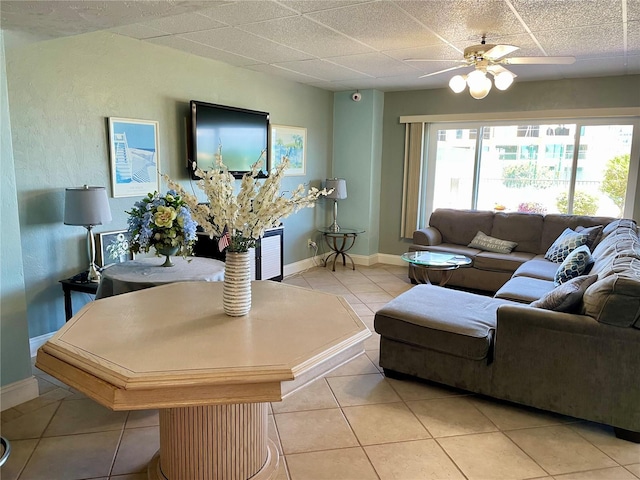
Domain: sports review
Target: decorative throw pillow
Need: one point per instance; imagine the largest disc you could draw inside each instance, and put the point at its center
(576, 264)
(491, 244)
(567, 242)
(568, 296)
(593, 235)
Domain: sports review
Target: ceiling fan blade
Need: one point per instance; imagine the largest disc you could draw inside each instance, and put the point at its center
(433, 60)
(442, 71)
(498, 69)
(500, 51)
(538, 60)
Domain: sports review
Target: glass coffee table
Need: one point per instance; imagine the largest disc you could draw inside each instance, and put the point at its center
(445, 263)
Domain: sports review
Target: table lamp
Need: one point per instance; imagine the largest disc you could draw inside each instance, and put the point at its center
(87, 206)
(339, 186)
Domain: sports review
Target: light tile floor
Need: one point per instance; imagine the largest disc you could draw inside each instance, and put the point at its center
(353, 424)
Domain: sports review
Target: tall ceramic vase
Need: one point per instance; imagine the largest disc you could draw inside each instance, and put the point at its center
(236, 291)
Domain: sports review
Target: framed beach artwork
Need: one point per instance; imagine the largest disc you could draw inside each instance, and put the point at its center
(112, 247)
(289, 142)
(133, 147)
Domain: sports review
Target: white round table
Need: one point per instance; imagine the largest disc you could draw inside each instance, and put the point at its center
(149, 272)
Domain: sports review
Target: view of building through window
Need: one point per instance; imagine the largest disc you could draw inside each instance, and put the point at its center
(533, 168)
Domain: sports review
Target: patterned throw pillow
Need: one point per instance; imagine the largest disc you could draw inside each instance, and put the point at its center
(491, 244)
(567, 242)
(576, 264)
(568, 296)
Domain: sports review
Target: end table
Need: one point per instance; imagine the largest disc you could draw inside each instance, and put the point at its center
(76, 284)
(340, 242)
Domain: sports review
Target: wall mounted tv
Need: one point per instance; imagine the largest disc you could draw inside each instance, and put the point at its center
(243, 134)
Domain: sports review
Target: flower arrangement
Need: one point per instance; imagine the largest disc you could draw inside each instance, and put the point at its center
(161, 221)
(244, 217)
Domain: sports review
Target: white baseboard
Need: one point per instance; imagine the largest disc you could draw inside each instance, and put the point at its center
(18, 392)
(389, 259)
(36, 342)
(366, 260)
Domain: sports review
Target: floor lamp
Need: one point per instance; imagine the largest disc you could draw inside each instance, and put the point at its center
(339, 186)
(87, 207)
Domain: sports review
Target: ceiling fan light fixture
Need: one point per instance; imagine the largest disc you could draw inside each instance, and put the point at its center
(503, 80)
(479, 84)
(458, 83)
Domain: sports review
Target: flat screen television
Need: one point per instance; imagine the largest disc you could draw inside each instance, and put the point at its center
(243, 134)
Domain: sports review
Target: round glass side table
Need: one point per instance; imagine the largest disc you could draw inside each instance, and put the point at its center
(340, 242)
(446, 263)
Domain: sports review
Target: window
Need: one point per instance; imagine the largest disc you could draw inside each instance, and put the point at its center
(483, 166)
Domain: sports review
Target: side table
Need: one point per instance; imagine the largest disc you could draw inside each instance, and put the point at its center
(340, 243)
(75, 284)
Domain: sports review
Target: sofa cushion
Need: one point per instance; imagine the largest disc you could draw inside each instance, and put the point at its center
(500, 262)
(576, 264)
(524, 289)
(564, 245)
(523, 228)
(460, 226)
(447, 248)
(484, 242)
(568, 296)
(448, 321)
(538, 267)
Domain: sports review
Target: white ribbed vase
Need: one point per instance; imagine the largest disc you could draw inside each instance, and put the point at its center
(236, 292)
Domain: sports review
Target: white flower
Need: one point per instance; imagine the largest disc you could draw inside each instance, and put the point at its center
(257, 206)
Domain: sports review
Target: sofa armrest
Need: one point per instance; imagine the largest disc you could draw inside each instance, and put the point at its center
(427, 236)
(539, 318)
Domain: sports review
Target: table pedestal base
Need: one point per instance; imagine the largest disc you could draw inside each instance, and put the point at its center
(215, 442)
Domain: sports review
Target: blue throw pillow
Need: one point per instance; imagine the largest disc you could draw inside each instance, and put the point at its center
(567, 242)
(577, 263)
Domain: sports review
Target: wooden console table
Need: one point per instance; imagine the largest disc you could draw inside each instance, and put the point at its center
(73, 285)
(212, 376)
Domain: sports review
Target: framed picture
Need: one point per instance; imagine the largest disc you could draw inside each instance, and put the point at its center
(133, 146)
(112, 247)
(289, 142)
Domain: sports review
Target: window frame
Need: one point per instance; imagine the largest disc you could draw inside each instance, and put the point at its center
(429, 152)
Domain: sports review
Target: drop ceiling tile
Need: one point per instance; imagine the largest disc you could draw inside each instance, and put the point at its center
(374, 64)
(583, 41)
(202, 50)
(282, 72)
(187, 22)
(236, 41)
(559, 15)
(633, 10)
(441, 51)
(633, 37)
(139, 31)
(465, 20)
(303, 34)
(245, 12)
(596, 67)
(322, 70)
(381, 25)
(307, 6)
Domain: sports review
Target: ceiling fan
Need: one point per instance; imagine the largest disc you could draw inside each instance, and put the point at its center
(488, 58)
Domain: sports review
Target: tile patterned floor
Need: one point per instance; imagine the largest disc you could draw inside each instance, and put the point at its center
(352, 424)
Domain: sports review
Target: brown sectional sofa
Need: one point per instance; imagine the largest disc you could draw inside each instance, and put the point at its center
(584, 364)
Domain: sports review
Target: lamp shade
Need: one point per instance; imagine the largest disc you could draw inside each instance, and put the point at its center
(339, 186)
(86, 206)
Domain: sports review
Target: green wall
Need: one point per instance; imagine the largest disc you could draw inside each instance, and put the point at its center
(357, 157)
(605, 92)
(61, 93)
(14, 337)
